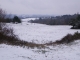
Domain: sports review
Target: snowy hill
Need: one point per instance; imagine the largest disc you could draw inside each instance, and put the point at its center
(40, 33)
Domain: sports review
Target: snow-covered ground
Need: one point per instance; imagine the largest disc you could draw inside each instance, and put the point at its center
(61, 52)
(40, 33)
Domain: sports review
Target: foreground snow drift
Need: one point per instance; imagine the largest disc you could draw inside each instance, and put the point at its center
(61, 52)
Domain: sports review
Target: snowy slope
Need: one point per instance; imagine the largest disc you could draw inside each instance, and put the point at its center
(61, 52)
(40, 33)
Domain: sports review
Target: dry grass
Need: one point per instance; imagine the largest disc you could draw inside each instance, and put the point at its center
(7, 36)
(67, 39)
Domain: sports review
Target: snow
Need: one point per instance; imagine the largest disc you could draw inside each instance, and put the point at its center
(40, 33)
(60, 52)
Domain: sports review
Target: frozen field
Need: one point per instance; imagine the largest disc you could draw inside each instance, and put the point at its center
(40, 33)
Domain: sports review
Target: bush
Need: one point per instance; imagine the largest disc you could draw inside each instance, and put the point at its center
(66, 40)
(7, 36)
(69, 38)
(16, 19)
(76, 22)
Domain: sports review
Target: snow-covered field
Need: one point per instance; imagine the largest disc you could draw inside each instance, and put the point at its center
(40, 33)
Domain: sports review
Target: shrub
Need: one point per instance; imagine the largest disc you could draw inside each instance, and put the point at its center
(69, 38)
(76, 22)
(7, 36)
(16, 19)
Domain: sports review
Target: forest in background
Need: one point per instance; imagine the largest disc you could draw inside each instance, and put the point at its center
(73, 20)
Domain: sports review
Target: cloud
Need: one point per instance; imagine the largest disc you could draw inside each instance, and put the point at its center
(49, 7)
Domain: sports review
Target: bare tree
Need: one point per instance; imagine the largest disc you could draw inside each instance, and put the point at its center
(2, 15)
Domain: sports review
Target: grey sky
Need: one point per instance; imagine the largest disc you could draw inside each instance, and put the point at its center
(43, 7)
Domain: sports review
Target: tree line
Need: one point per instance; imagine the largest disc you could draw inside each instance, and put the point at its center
(73, 20)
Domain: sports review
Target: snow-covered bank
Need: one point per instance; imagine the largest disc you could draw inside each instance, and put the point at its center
(60, 52)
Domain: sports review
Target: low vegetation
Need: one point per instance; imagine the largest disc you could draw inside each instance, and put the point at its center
(16, 19)
(67, 39)
(76, 22)
(7, 36)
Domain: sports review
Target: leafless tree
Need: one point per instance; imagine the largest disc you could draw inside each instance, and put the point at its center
(2, 15)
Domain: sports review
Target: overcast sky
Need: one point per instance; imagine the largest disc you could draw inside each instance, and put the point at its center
(42, 7)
